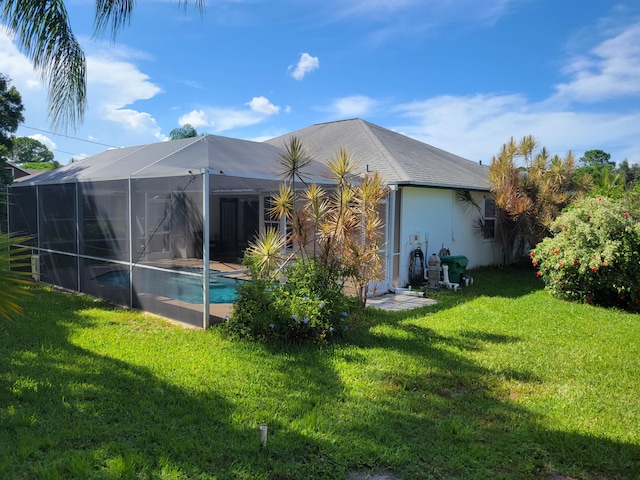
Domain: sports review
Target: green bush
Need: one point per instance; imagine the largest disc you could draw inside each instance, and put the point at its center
(593, 254)
(309, 306)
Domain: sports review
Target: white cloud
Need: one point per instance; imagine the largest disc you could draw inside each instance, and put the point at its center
(118, 83)
(17, 66)
(50, 144)
(354, 106)
(227, 119)
(195, 118)
(222, 119)
(610, 70)
(132, 119)
(306, 64)
(475, 127)
(263, 105)
(114, 85)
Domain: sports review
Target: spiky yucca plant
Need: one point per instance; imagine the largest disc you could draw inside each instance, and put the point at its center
(530, 196)
(266, 252)
(340, 229)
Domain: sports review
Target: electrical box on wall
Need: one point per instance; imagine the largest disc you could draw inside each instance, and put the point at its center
(414, 238)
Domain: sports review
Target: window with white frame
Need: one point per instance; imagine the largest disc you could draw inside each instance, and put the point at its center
(489, 219)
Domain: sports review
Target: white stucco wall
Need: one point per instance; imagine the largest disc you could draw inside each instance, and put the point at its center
(447, 221)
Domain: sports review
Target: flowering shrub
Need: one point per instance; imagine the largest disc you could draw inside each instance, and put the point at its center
(593, 254)
(309, 306)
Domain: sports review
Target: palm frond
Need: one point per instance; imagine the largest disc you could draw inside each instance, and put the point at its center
(342, 166)
(116, 13)
(465, 197)
(43, 33)
(292, 161)
(15, 269)
(281, 203)
(267, 250)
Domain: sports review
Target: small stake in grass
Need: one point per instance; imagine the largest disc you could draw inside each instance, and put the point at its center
(263, 436)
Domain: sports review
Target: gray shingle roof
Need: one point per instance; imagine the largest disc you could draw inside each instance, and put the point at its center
(399, 159)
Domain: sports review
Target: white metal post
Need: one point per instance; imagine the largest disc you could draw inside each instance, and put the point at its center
(205, 249)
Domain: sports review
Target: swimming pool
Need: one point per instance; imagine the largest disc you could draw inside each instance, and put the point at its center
(186, 288)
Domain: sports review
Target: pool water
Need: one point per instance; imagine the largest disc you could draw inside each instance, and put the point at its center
(185, 288)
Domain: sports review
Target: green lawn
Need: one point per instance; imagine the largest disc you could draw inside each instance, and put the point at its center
(496, 381)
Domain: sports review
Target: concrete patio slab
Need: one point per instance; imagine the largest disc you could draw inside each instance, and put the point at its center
(396, 302)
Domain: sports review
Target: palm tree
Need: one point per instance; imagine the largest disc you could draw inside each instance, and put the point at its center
(291, 163)
(43, 32)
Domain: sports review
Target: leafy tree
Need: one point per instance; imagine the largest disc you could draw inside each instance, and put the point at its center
(10, 111)
(596, 159)
(185, 131)
(10, 117)
(30, 150)
(631, 174)
(43, 32)
(604, 178)
(42, 165)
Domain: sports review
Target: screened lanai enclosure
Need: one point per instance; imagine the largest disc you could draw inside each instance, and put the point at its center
(159, 227)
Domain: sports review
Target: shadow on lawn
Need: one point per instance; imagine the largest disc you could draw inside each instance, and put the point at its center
(66, 412)
(458, 420)
(336, 409)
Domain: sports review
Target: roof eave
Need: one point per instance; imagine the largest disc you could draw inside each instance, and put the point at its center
(412, 183)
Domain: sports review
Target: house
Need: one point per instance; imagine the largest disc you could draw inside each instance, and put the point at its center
(17, 171)
(161, 227)
(424, 209)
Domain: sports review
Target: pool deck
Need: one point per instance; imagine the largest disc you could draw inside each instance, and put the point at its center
(392, 302)
(224, 267)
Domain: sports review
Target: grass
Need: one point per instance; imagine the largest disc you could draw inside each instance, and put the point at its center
(499, 380)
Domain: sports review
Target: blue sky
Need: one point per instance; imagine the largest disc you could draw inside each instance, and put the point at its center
(462, 75)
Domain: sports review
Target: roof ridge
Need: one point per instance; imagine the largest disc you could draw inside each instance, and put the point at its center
(197, 139)
(380, 146)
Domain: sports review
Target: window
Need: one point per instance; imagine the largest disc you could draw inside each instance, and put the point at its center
(489, 219)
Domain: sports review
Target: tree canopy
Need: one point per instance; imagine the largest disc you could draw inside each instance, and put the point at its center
(10, 117)
(185, 131)
(30, 150)
(10, 111)
(596, 159)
